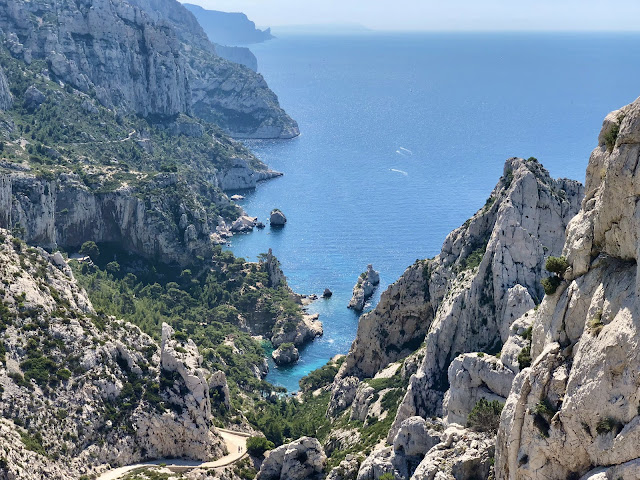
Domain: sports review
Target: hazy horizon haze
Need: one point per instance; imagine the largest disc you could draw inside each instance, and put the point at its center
(430, 15)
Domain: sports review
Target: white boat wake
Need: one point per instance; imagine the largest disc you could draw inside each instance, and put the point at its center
(399, 171)
(405, 152)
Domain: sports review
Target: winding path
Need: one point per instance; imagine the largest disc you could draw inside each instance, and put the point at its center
(236, 445)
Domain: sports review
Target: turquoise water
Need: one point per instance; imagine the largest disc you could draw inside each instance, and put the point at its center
(404, 137)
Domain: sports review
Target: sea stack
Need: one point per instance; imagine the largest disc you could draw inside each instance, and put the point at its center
(277, 218)
(364, 288)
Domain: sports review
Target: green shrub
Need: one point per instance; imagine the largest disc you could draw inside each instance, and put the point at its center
(90, 249)
(387, 476)
(611, 136)
(557, 265)
(485, 416)
(256, 446)
(318, 378)
(33, 442)
(113, 267)
(545, 408)
(524, 357)
(595, 325)
(551, 284)
(607, 425)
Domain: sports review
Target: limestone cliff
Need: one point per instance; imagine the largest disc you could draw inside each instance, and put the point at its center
(575, 412)
(476, 314)
(65, 212)
(487, 274)
(79, 389)
(468, 298)
(228, 28)
(6, 99)
(146, 56)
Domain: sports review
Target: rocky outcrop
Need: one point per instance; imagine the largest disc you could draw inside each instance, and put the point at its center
(346, 470)
(243, 223)
(473, 376)
(527, 225)
(285, 354)
(160, 62)
(240, 55)
(193, 434)
(275, 273)
(241, 176)
(297, 331)
(574, 412)
(65, 212)
(228, 28)
(87, 389)
(364, 288)
(6, 99)
(298, 460)
(33, 98)
(487, 275)
(424, 450)
(277, 218)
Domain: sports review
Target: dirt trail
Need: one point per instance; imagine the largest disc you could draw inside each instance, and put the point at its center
(236, 445)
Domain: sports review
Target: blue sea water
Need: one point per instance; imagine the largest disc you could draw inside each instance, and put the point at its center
(403, 138)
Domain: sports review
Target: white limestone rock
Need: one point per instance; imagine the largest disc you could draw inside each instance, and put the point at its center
(121, 216)
(241, 176)
(33, 98)
(94, 360)
(346, 470)
(362, 401)
(306, 329)
(585, 337)
(277, 218)
(150, 57)
(285, 354)
(522, 226)
(364, 288)
(342, 394)
(299, 460)
(473, 376)
(522, 222)
(461, 455)
(243, 223)
(417, 436)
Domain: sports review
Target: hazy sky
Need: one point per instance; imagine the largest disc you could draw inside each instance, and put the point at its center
(442, 14)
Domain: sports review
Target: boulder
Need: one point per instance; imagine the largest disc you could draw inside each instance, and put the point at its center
(299, 460)
(327, 293)
(33, 98)
(285, 354)
(277, 218)
(243, 223)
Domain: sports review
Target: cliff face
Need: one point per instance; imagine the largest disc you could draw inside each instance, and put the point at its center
(149, 57)
(478, 310)
(229, 28)
(585, 336)
(470, 297)
(66, 213)
(6, 99)
(86, 389)
(487, 274)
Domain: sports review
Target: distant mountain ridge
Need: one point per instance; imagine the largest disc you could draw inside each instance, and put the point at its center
(230, 29)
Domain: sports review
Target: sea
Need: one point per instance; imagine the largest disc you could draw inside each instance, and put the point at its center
(403, 137)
